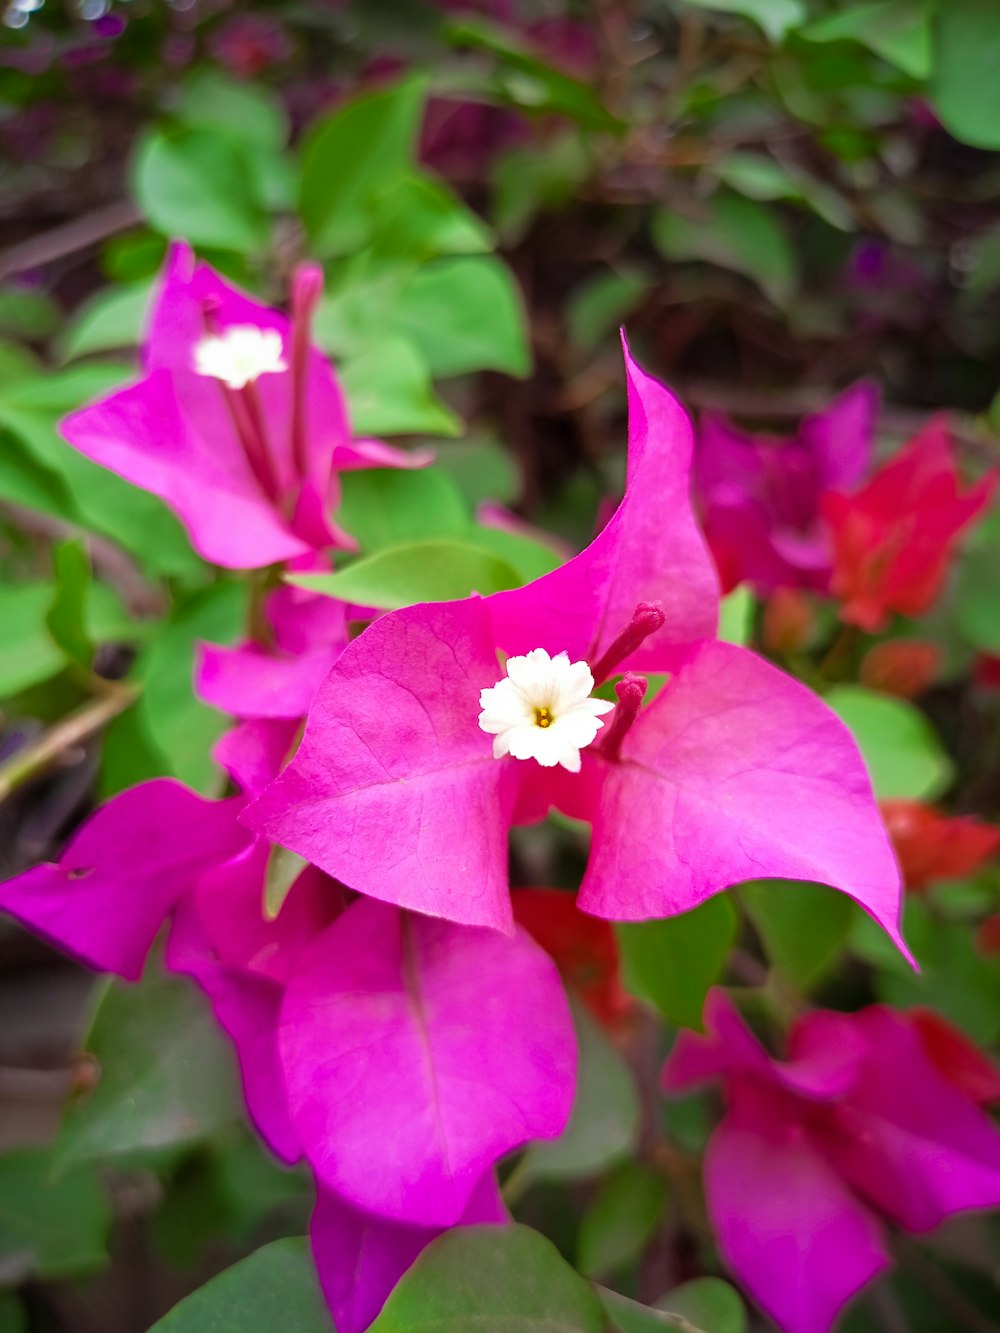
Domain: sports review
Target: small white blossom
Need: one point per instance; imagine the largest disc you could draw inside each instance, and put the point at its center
(239, 354)
(542, 710)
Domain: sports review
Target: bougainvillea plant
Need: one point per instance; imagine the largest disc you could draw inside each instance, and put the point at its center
(542, 879)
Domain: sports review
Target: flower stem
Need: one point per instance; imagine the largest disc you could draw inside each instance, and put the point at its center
(73, 730)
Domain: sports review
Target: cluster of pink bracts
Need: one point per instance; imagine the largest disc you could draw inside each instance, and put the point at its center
(395, 1027)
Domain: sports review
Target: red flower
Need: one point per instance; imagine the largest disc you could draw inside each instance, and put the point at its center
(931, 846)
(956, 1058)
(893, 538)
(583, 947)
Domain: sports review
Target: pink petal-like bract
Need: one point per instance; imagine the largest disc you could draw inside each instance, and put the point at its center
(394, 789)
(913, 1145)
(123, 872)
(650, 550)
(417, 1052)
(247, 1007)
(789, 1228)
(858, 1123)
(360, 1256)
(761, 497)
(175, 433)
(734, 772)
(242, 960)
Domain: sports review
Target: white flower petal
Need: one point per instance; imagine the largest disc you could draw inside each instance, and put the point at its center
(512, 710)
(239, 355)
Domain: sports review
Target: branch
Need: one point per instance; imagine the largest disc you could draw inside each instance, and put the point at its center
(67, 239)
(73, 730)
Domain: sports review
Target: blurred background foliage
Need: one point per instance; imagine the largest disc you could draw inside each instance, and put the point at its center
(777, 197)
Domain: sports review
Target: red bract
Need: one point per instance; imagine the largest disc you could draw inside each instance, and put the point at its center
(931, 846)
(893, 539)
(955, 1057)
(584, 949)
(901, 667)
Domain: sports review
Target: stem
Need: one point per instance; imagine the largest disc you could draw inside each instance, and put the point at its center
(73, 730)
(840, 652)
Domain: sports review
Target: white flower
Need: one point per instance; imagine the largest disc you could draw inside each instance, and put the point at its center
(239, 354)
(542, 710)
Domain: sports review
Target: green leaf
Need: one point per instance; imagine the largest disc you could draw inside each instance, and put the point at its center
(804, 927)
(31, 408)
(165, 1074)
(13, 1316)
(955, 978)
(421, 217)
(28, 654)
(26, 313)
(530, 558)
(210, 100)
(16, 362)
(737, 234)
(358, 311)
(599, 305)
(513, 1273)
(283, 869)
(181, 727)
(198, 185)
(466, 314)
(480, 467)
(428, 571)
(964, 86)
(275, 1288)
(530, 83)
(903, 754)
(762, 178)
(389, 388)
(623, 1216)
(776, 17)
(897, 30)
(532, 180)
(133, 257)
(628, 1316)
(977, 609)
(385, 506)
(605, 1121)
(709, 1303)
(673, 962)
(25, 481)
(66, 618)
(111, 319)
(129, 754)
(49, 1227)
(340, 178)
(736, 616)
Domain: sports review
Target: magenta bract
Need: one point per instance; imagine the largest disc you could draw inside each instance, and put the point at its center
(760, 497)
(251, 469)
(417, 1052)
(360, 1256)
(733, 772)
(124, 871)
(858, 1125)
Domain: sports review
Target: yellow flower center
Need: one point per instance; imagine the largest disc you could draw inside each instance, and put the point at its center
(543, 717)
